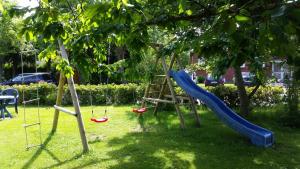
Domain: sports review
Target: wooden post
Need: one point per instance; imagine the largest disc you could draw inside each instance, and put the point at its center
(75, 101)
(166, 70)
(58, 100)
(164, 85)
(146, 94)
(194, 110)
(193, 106)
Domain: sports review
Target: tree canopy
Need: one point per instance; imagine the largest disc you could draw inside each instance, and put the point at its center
(227, 33)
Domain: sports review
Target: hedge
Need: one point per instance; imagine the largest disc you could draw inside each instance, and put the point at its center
(264, 96)
(130, 93)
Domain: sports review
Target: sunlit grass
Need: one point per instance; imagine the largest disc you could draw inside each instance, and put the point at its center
(129, 141)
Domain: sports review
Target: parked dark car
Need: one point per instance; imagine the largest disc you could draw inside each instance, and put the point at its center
(249, 80)
(27, 78)
(211, 81)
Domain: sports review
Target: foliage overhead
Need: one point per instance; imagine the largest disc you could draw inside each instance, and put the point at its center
(230, 32)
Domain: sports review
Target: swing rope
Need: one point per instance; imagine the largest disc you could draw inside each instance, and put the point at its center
(107, 101)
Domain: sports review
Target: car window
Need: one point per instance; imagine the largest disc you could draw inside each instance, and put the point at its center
(39, 77)
(210, 78)
(17, 78)
(46, 77)
(30, 78)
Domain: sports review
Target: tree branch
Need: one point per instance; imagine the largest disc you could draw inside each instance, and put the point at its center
(162, 20)
(253, 91)
(167, 19)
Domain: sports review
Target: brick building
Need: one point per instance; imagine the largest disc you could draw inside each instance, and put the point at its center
(276, 69)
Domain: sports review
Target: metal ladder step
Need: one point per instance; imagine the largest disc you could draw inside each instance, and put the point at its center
(30, 101)
(32, 146)
(33, 124)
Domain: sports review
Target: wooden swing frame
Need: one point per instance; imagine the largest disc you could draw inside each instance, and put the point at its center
(74, 96)
(167, 82)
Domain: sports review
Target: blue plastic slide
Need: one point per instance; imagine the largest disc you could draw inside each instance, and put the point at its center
(258, 135)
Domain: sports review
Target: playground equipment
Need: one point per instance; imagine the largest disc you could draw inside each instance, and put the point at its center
(258, 135)
(102, 119)
(139, 110)
(107, 101)
(162, 91)
(75, 101)
(34, 99)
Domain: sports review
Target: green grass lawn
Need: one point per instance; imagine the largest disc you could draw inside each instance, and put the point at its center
(129, 141)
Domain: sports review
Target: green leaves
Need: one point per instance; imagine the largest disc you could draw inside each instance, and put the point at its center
(48, 54)
(230, 26)
(1, 7)
(125, 2)
(29, 35)
(54, 29)
(180, 8)
(227, 28)
(241, 18)
(64, 67)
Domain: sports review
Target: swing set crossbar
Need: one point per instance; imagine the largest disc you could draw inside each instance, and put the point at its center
(65, 110)
(178, 97)
(158, 100)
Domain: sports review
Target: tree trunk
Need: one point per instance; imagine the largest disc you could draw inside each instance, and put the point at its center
(1, 69)
(293, 95)
(244, 101)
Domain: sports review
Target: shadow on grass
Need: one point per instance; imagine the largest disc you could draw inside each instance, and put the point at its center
(160, 143)
(43, 148)
(39, 151)
(214, 145)
(76, 157)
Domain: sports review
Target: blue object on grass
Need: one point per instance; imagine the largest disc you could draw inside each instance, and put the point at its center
(14, 101)
(258, 135)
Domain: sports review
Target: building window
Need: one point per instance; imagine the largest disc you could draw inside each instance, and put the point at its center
(280, 70)
(201, 61)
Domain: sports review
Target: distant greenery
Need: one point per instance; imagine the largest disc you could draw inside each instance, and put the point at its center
(132, 93)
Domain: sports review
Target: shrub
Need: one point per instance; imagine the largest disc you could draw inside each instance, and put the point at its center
(228, 94)
(200, 79)
(131, 93)
(264, 96)
(267, 96)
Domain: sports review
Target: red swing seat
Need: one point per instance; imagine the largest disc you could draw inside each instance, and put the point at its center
(139, 110)
(100, 120)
